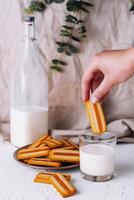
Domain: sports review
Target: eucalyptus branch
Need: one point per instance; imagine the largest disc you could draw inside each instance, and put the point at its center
(73, 32)
(40, 5)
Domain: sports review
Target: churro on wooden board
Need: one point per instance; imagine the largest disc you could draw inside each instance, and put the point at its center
(96, 117)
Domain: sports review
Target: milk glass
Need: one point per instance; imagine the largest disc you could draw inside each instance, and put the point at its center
(97, 156)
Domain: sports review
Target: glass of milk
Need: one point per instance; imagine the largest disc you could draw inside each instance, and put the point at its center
(97, 156)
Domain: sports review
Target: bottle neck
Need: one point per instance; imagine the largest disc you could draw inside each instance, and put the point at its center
(29, 33)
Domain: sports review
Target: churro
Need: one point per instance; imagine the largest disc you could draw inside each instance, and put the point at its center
(38, 142)
(72, 143)
(53, 143)
(32, 153)
(62, 185)
(70, 156)
(44, 177)
(64, 142)
(96, 117)
(43, 145)
(66, 148)
(43, 162)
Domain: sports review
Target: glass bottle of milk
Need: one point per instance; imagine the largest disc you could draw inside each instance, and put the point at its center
(29, 94)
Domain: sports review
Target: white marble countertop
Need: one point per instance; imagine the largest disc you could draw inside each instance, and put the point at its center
(16, 180)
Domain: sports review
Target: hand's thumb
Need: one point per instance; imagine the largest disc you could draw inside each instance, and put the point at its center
(101, 91)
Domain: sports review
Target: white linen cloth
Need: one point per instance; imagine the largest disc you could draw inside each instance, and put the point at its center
(109, 26)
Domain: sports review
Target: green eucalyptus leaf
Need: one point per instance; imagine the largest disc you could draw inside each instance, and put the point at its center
(67, 27)
(84, 10)
(65, 34)
(63, 63)
(73, 5)
(75, 39)
(61, 44)
(71, 19)
(57, 61)
(60, 49)
(132, 7)
(58, 1)
(65, 31)
(36, 6)
(83, 36)
(80, 22)
(56, 68)
(82, 29)
(48, 1)
(86, 3)
(73, 49)
(76, 5)
(68, 53)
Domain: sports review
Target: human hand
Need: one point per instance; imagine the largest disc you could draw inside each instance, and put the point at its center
(107, 69)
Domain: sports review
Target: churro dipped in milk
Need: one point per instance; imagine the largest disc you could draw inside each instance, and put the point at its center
(96, 117)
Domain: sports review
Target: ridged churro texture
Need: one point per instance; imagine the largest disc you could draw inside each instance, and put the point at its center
(32, 153)
(43, 162)
(38, 142)
(45, 177)
(62, 185)
(96, 117)
(70, 156)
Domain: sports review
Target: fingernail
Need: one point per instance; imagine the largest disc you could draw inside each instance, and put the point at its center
(94, 99)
